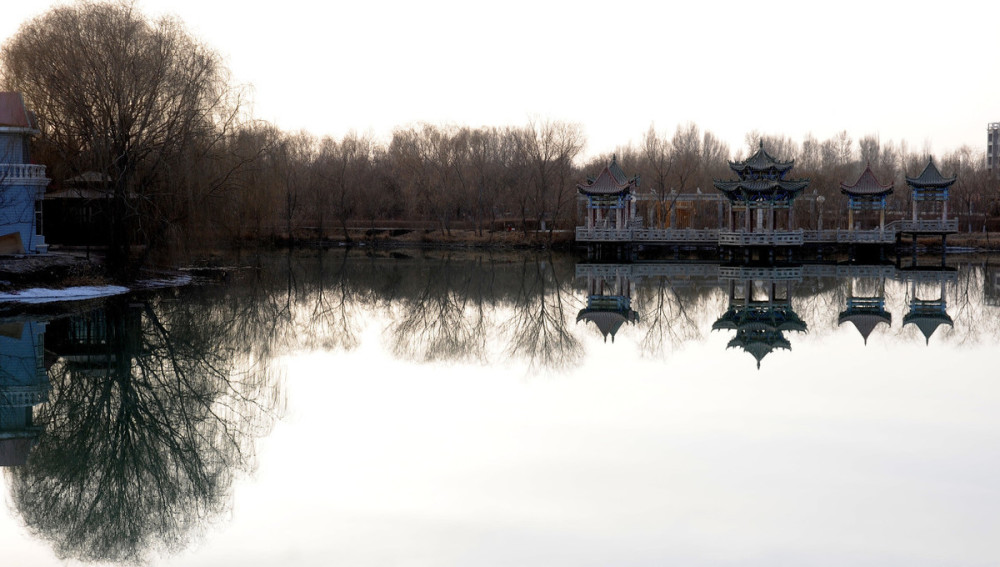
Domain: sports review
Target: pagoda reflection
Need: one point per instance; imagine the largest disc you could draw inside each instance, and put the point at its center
(23, 385)
(931, 313)
(758, 313)
(865, 307)
(609, 299)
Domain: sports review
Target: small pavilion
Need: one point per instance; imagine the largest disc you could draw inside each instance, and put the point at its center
(930, 192)
(867, 194)
(610, 200)
(757, 196)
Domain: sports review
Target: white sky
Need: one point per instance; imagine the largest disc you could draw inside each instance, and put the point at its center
(919, 71)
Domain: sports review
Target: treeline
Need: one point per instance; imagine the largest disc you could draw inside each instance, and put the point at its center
(151, 114)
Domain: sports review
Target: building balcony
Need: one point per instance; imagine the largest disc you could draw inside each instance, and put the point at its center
(23, 174)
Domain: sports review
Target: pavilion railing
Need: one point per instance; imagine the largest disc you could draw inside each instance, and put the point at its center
(925, 225)
(773, 238)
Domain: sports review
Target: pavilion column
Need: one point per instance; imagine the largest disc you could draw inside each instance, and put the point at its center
(881, 220)
(746, 216)
(944, 210)
(914, 206)
(850, 218)
(719, 207)
(791, 215)
(673, 214)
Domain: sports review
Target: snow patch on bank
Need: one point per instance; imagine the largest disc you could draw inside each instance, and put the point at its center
(78, 293)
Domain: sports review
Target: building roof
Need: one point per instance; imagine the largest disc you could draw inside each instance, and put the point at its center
(610, 181)
(761, 185)
(761, 161)
(867, 185)
(13, 113)
(930, 178)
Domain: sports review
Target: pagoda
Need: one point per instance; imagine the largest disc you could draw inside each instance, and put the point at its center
(867, 194)
(610, 203)
(930, 192)
(757, 196)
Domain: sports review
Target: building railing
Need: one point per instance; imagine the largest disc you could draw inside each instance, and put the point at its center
(925, 225)
(24, 396)
(774, 238)
(676, 235)
(21, 171)
(876, 236)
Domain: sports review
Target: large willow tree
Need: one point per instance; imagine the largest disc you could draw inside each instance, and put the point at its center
(140, 101)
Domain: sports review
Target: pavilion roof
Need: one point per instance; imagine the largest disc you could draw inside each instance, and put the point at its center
(760, 185)
(610, 181)
(927, 322)
(930, 177)
(865, 321)
(761, 161)
(607, 321)
(759, 345)
(866, 185)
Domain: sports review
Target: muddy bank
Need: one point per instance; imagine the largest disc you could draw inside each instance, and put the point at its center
(56, 269)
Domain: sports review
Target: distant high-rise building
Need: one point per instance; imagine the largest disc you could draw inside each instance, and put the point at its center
(993, 147)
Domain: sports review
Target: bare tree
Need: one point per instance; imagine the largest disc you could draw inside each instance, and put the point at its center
(125, 96)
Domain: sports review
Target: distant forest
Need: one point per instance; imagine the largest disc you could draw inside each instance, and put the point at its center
(154, 111)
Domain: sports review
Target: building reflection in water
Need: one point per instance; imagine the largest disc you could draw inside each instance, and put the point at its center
(927, 314)
(24, 384)
(758, 313)
(151, 414)
(866, 298)
(609, 299)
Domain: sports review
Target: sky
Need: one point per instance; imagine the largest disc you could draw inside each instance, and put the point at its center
(920, 72)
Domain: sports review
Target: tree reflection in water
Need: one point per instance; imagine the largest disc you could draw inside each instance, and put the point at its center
(539, 332)
(154, 408)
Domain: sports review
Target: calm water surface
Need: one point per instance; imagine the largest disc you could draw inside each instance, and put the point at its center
(461, 409)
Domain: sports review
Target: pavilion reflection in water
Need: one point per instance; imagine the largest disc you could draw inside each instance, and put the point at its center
(609, 300)
(24, 384)
(758, 313)
(760, 298)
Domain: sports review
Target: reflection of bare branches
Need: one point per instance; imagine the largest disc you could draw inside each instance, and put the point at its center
(153, 411)
(669, 320)
(447, 320)
(538, 330)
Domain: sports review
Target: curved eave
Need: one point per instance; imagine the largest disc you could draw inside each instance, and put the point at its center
(865, 323)
(928, 324)
(944, 182)
(864, 192)
(760, 185)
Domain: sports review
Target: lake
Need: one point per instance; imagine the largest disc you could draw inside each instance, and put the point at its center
(458, 408)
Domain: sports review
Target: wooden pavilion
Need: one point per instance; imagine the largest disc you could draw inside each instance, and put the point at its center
(756, 198)
(866, 195)
(610, 200)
